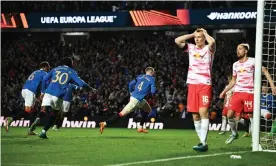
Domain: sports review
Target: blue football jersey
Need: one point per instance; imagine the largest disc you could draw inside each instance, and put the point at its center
(267, 102)
(69, 93)
(34, 81)
(59, 79)
(144, 85)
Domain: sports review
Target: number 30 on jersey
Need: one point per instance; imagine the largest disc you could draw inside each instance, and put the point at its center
(62, 78)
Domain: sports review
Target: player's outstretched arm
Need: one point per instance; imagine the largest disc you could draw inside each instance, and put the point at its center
(228, 87)
(269, 78)
(211, 41)
(181, 40)
(80, 82)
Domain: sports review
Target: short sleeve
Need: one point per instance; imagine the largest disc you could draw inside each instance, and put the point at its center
(234, 70)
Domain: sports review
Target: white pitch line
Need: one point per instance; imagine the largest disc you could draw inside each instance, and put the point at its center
(176, 158)
(18, 164)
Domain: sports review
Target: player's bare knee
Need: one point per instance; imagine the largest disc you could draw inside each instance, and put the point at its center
(238, 118)
(203, 112)
(127, 109)
(230, 114)
(196, 117)
(28, 109)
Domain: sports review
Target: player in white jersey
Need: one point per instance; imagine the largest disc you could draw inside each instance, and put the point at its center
(227, 99)
(199, 80)
(243, 96)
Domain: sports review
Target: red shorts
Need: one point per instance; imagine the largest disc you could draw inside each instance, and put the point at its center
(242, 102)
(199, 96)
(224, 111)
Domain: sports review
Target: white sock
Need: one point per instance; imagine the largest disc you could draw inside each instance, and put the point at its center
(232, 123)
(204, 130)
(223, 123)
(43, 131)
(251, 125)
(242, 121)
(237, 125)
(198, 128)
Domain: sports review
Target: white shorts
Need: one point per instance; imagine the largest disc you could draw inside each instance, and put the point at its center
(29, 97)
(133, 103)
(53, 101)
(264, 113)
(65, 106)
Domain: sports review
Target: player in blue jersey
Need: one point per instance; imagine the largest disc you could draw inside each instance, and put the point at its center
(143, 85)
(59, 78)
(267, 102)
(29, 92)
(65, 105)
(268, 108)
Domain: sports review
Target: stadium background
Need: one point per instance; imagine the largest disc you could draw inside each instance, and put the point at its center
(112, 54)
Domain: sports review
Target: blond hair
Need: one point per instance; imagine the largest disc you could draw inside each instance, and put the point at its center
(245, 45)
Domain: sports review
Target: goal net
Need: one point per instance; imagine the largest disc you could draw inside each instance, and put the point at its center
(267, 105)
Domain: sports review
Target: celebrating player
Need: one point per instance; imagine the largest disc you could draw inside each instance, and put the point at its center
(144, 84)
(199, 80)
(29, 92)
(53, 98)
(243, 96)
(227, 99)
(65, 105)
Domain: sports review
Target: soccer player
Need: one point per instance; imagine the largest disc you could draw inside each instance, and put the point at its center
(59, 78)
(199, 80)
(144, 84)
(65, 105)
(268, 106)
(267, 102)
(243, 96)
(29, 92)
(227, 99)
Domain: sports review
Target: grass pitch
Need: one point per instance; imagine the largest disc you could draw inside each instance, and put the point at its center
(85, 147)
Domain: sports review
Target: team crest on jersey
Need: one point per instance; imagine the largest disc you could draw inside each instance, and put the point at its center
(197, 55)
(242, 70)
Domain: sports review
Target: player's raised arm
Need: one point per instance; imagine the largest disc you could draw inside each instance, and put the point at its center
(269, 78)
(131, 84)
(181, 40)
(211, 41)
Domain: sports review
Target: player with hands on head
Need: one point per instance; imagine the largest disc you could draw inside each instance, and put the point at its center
(199, 80)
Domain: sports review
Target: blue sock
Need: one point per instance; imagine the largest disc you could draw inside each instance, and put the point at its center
(153, 113)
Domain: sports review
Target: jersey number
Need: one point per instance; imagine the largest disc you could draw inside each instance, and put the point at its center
(248, 104)
(31, 77)
(59, 77)
(140, 86)
(205, 99)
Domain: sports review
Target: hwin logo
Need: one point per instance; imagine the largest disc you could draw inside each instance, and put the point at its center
(212, 15)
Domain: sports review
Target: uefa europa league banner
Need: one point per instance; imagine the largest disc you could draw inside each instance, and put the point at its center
(138, 18)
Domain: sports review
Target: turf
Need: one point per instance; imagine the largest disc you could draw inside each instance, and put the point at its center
(115, 146)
